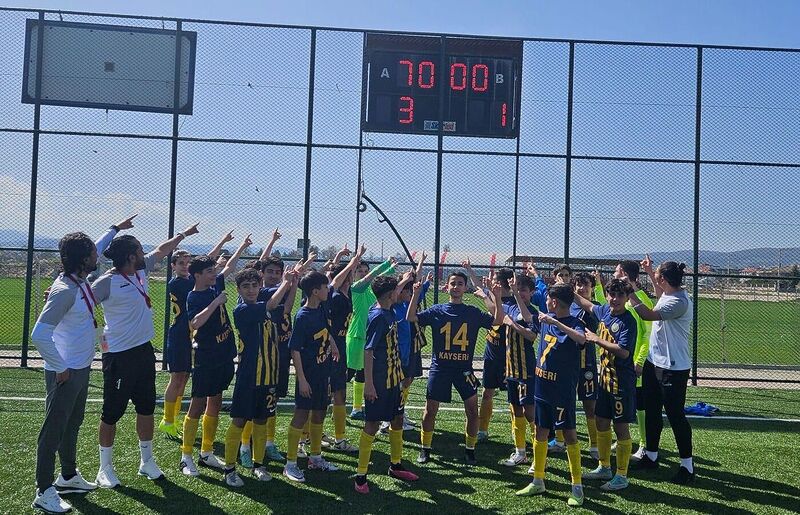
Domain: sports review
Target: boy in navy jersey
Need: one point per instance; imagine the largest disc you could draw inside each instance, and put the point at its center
(455, 328)
(215, 350)
(583, 283)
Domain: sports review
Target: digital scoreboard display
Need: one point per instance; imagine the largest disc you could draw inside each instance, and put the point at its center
(404, 77)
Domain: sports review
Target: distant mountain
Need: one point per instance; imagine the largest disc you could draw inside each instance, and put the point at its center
(737, 259)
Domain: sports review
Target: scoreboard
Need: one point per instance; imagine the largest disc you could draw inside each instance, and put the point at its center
(404, 77)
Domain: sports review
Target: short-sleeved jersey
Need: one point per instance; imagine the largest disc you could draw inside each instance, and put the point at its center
(340, 313)
(258, 352)
(589, 354)
(496, 337)
(520, 352)
(455, 331)
(213, 340)
(557, 363)
(179, 333)
(312, 339)
(387, 371)
(617, 375)
(282, 320)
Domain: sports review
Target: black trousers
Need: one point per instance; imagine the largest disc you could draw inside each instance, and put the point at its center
(667, 389)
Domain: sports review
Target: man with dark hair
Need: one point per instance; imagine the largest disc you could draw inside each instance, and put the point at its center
(65, 335)
(455, 328)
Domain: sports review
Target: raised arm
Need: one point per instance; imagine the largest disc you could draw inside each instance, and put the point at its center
(214, 253)
(341, 277)
(171, 244)
(644, 312)
(524, 312)
(585, 304)
(201, 318)
(105, 240)
(230, 266)
(647, 265)
(499, 314)
(524, 331)
(407, 278)
(288, 279)
(577, 336)
(418, 270)
(599, 291)
(268, 249)
(411, 312)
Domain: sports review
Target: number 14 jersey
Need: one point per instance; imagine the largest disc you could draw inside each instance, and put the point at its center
(455, 331)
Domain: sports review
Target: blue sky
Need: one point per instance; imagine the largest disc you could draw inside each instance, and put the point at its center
(630, 101)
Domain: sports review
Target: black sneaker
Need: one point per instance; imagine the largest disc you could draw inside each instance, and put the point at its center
(645, 464)
(683, 477)
(424, 455)
(469, 457)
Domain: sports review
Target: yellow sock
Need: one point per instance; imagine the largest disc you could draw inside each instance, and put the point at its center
(425, 438)
(247, 432)
(271, 428)
(364, 452)
(513, 423)
(404, 394)
(177, 409)
(470, 440)
(396, 445)
(533, 432)
(339, 421)
(591, 428)
(316, 439)
(623, 456)
(189, 434)
(604, 447)
(520, 428)
(169, 412)
(485, 414)
(294, 439)
(358, 396)
(539, 458)
(560, 436)
(259, 442)
(574, 458)
(209, 433)
(232, 439)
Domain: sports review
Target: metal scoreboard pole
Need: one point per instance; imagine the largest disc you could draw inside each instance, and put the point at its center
(439, 148)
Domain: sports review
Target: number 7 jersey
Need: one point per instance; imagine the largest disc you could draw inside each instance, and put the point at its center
(455, 331)
(557, 363)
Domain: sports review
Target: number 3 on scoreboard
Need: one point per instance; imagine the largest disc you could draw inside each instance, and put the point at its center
(408, 110)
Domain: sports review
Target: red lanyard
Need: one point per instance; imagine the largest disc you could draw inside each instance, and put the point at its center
(86, 294)
(141, 291)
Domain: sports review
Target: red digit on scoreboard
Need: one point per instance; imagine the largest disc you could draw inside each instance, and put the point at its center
(458, 76)
(410, 66)
(431, 73)
(503, 113)
(408, 110)
(480, 84)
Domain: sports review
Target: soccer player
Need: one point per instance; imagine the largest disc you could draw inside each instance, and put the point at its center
(629, 270)
(129, 363)
(363, 299)
(455, 328)
(583, 283)
(562, 274)
(254, 393)
(616, 397)
(522, 321)
(556, 380)
(215, 351)
(179, 337)
(312, 353)
(383, 375)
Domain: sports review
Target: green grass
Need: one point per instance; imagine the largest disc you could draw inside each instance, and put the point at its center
(739, 463)
(755, 332)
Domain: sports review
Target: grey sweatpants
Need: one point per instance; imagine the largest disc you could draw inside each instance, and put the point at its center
(63, 416)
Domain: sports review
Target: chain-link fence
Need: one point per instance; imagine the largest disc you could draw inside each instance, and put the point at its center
(690, 153)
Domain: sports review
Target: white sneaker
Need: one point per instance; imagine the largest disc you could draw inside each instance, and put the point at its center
(531, 469)
(261, 474)
(293, 472)
(515, 459)
(211, 461)
(50, 502)
(385, 428)
(150, 470)
(76, 485)
(343, 445)
(328, 441)
(231, 478)
(613, 446)
(188, 468)
(301, 450)
(107, 477)
(638, 455)
(319, 463)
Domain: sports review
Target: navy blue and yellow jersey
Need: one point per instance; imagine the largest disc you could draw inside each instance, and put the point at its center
(282, 321)
(496, 337)
(455, 331)
(311, 337)
(520, 352)
(340, 313)
(213, 341)
(258, 350)
(179, 333)
(589, 354)
(418, 340)
(557, 363)
(617, 375)
(387, 371)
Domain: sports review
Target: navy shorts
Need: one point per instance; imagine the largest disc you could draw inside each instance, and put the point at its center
(555, 417)
(178, 356)
(129, 375)
(520, 393)
(253, 402)
(619, 407)
(208, 381)
(386, 407)
(320, 395)
(441, 383)
(588, 384)
(494, 373)
(284, 360)
(414, 367)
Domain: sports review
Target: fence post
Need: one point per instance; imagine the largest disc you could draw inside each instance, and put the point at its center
(696, 243)
(309, 140)
(440, 145)
(37, 111)
(568, 170)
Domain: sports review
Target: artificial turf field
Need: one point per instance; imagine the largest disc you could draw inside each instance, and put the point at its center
(743, 466)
